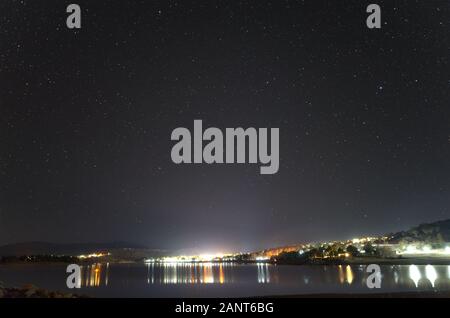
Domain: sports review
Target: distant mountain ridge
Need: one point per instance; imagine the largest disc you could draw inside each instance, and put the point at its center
(45, 248)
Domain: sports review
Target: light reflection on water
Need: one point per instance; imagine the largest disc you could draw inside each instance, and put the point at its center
(431, 274)
(92, 275)
(410, 276)
(263, 273)
(414, 274)
(96, 275)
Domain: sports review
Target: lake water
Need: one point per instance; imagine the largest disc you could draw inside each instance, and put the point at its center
(225, 280)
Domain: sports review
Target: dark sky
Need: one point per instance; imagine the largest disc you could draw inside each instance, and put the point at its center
(86, 118)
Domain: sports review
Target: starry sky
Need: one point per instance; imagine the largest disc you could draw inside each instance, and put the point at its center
(86, 118)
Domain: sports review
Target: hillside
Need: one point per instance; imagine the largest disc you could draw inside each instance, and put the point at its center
(44, 248)
(436, 232)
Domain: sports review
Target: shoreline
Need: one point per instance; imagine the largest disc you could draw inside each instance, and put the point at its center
(31, 291)
(316, 262)
(372, 260)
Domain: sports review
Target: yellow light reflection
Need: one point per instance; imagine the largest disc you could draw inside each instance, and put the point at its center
(221, 275)
(349, 274)
(208, 277)
(93, 275)
(341, 274)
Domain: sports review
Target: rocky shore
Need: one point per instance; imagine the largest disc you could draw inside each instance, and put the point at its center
(31, 291)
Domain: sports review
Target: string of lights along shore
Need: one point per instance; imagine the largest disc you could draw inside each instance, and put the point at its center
(223, 127)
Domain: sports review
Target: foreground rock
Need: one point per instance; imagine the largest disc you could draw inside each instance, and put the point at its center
(31, 291)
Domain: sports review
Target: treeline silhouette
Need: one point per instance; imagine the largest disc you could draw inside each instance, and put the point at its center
(39, 259)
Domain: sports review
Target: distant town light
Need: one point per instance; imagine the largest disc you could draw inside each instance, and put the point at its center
(413, 250)
(94, 255)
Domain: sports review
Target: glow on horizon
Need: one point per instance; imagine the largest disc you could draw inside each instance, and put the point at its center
(191, 258)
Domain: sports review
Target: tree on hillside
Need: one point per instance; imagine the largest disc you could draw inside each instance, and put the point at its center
(369, 249)
(353, 251)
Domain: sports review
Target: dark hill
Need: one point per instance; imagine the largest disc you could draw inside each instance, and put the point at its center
(436, 232)
(44, 248)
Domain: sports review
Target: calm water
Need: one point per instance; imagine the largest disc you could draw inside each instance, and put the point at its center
(225, 280)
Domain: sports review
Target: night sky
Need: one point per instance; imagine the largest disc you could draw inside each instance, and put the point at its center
(86, 118)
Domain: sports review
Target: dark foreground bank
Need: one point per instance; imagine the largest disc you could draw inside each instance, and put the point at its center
(31, 291)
